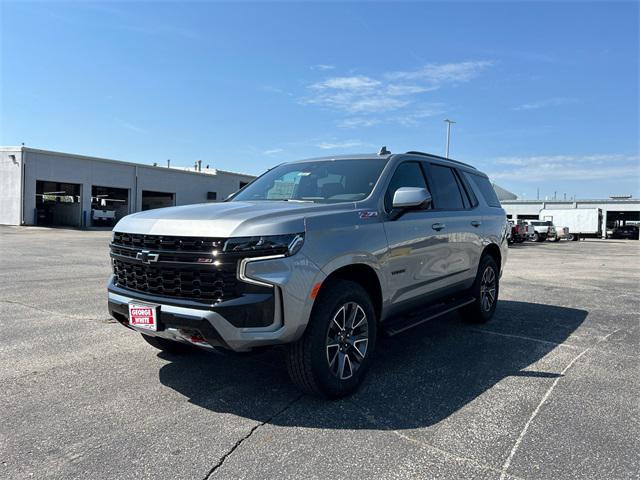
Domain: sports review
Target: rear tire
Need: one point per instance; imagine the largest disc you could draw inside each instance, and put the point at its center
(535, 237)
(485, 290)
(169, 346)
(334, 354)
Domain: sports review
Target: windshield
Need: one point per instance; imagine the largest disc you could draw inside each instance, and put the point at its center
(323, 181)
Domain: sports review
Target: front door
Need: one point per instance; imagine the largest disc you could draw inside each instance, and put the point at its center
(416, 258)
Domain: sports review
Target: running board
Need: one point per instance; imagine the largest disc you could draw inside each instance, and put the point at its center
(406, 322)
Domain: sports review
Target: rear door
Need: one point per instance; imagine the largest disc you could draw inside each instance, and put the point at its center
(458, 223)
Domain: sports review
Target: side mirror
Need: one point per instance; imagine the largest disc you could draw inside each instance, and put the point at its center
(411, 197)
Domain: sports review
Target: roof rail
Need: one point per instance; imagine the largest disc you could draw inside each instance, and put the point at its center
(413, 152)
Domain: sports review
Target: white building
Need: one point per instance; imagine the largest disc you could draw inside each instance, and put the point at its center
(614, 211)
(39, 187)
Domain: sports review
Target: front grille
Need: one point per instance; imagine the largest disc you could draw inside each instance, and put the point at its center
(193, 268)
(164, 242)
(211, 284)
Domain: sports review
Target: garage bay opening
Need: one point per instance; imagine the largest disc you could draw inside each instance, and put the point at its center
(58, 204)
(108, 205)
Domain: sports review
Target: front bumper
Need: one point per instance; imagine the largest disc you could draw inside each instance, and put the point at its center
(281, 314)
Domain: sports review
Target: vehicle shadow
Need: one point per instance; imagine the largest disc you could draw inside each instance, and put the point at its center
(417, 379)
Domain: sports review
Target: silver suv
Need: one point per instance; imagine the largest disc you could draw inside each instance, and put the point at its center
(322, 255)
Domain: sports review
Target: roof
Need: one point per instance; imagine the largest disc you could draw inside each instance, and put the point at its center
(504, 194)
(365, 156)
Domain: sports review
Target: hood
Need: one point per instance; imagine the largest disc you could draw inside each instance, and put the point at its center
(227, 219)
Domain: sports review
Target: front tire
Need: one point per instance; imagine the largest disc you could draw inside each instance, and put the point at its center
(485, 290)
(169, 346)
(334, 354)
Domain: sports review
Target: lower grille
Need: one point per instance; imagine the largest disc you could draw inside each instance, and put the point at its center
(204, 284)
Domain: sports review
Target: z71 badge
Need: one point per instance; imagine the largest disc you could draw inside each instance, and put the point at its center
(368, 213)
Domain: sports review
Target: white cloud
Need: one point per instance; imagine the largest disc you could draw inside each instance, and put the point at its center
(567, 167)
(276, 90)
(550, 102)
(132, 127)
(408, 119)
(347, 83)
(394, 91)
(356, 122)
(413, 118)
(343, 144)
(322, 66)
(438, 74)
(273, 151)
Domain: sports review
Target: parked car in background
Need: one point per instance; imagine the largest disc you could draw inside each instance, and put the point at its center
(542, 230)
(517, 232)
(631, 232)
(528, 230)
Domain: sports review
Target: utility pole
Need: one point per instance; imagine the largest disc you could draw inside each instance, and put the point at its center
(449, 122)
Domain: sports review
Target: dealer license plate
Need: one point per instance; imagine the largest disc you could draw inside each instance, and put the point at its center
(143, 316)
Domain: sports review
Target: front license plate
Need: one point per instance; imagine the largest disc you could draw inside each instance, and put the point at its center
(143, 316)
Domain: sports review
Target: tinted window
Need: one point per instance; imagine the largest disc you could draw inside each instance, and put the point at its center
(408, 174)
(485, 188)
(322, 181)
(466, 189)
(445, 188)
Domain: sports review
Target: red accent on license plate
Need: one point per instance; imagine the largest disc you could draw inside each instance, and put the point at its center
(143, 316)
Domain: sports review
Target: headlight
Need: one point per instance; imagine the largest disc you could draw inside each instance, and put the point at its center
(266, 245)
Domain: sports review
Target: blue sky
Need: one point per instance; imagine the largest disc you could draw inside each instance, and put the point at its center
(545, 94)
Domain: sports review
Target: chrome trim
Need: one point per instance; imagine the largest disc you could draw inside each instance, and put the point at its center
(214, 253)
(243, 266)
(160, 261)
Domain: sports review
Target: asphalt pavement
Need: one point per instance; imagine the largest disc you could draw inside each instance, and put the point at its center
(549, 388)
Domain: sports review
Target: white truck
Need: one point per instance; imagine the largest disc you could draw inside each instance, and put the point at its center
(582, 222)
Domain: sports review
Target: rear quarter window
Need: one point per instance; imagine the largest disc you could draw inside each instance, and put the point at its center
(485, 187)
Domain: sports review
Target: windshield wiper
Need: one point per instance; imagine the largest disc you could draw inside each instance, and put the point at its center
(297, 201)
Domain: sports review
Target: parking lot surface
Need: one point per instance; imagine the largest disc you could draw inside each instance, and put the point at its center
(548, 389)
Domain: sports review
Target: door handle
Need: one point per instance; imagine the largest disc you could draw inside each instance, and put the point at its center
(438, 226)
(476, 223)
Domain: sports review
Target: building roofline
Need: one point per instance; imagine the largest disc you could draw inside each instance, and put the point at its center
(119, 162)
(571, 202)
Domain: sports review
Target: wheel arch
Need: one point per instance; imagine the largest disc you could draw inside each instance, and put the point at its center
(364, 275)
(494, 251)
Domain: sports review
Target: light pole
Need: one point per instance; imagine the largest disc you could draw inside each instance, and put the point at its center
(449, 122)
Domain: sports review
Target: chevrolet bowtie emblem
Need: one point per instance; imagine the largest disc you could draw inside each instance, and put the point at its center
(147, 257)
